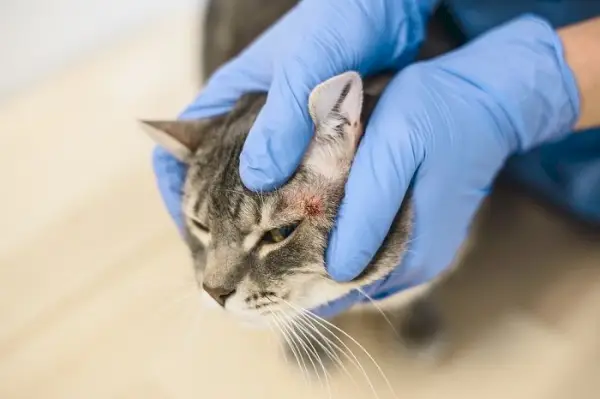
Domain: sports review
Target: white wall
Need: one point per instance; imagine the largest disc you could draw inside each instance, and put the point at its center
(38, 37)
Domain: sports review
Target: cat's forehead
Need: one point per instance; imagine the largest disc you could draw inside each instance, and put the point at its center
(218, 194)
(241, 208)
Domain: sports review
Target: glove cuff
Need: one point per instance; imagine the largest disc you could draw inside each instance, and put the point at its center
(521, 65)
(552, 106)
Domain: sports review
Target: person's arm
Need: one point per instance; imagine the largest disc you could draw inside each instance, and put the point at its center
(448, 126)
(581, 43)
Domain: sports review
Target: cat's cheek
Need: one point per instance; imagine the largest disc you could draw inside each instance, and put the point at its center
(320, 292)
(247, 318)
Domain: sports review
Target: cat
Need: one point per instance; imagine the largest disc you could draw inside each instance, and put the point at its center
(260, 256)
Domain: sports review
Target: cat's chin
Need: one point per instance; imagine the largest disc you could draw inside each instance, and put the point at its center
(318, 294)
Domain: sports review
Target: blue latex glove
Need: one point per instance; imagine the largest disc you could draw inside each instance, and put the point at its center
(317, 40)
(566, 173)
(454, 121)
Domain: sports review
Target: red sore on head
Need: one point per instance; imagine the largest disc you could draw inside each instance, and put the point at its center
(312, 206)
(305, 203)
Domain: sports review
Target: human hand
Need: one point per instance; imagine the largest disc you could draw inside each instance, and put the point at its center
(317, 40)
(450, 122)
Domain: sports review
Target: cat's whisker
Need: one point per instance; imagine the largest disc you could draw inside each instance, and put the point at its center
(324, 340)
(374, 303)
(305, 342)
(290, 328)
(321, 320)
(346, 351)
(383, 375)
(291, 345)
(302, 330)
(306, 325)
(410, 241)
(279, 324)
(229, 219)
(299, 344)
(277, 331)
(274, 333)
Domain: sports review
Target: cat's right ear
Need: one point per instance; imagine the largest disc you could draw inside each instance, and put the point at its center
(341, 95)
(181, 138)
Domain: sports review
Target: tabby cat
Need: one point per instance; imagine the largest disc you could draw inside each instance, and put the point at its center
(260, 256)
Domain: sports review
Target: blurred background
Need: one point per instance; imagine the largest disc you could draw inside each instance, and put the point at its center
(97, 298)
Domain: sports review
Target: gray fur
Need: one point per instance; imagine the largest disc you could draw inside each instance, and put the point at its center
(232, 210)
(253, 281)
(291, 274)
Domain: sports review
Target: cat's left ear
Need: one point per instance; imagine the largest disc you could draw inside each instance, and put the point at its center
(181, 138)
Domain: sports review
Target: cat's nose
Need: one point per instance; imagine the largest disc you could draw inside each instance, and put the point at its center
(219, 294)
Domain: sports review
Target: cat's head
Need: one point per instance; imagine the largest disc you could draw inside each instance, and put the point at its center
(258, 253)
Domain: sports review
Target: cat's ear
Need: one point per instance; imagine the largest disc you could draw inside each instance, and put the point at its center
(335, 107)
(181, 138)
(341, 95)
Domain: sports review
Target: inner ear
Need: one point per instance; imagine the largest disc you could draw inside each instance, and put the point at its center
(181, 138)
(340, 95)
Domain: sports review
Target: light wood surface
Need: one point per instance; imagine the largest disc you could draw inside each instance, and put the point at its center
(97, 298)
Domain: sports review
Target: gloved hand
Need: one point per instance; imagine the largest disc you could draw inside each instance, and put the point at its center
(315, 41)
(453, 121)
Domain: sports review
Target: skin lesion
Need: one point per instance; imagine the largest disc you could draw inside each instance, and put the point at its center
(312, 206)
(304, 204)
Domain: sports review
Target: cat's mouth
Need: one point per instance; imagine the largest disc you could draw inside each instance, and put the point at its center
(273, 311)
(263, 301)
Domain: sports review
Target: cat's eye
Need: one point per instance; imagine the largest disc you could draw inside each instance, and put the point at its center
(279, 234)
(199, 225)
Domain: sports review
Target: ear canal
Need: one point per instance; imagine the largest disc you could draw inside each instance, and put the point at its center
(341, 95)
(181, 138)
